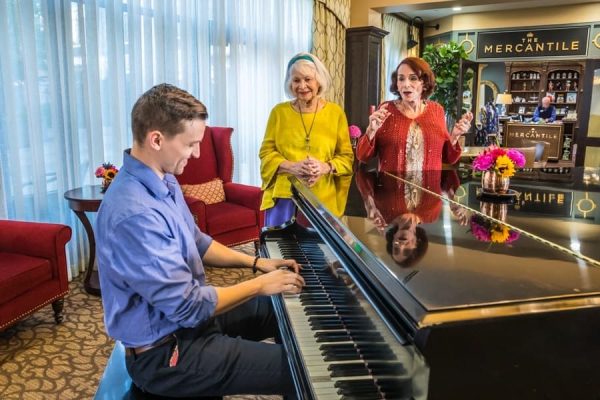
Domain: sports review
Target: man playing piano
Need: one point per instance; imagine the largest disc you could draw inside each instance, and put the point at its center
(183, 338)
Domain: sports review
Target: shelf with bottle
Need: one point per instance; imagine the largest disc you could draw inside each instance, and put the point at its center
(525, 81)
(563, 80)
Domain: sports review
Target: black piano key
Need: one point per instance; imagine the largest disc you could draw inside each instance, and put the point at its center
(348, 320)
(342, 357)
(361, 396)
(377, 368)
(335, 337)
(350, 369)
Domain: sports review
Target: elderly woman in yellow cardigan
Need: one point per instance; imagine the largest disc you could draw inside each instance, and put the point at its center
(306, 137)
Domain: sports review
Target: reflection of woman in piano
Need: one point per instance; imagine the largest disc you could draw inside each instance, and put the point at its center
(398, 208)
(406, 241)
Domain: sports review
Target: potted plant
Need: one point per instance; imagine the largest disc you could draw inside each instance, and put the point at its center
(445, 60)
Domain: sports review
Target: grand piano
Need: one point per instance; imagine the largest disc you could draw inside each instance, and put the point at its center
(425, 289)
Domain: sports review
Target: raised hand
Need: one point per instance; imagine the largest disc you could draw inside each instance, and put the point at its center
(376, 119)
(461, 126)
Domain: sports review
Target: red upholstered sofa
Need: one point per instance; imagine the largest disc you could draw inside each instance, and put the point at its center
(237, 219)
(33, 269)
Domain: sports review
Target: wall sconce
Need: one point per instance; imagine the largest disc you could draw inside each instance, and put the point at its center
(411, 40)
(503, 99)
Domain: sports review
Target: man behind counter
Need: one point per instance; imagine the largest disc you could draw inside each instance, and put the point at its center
(546, 112)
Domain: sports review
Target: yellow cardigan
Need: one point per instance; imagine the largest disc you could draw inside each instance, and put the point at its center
(285, 139)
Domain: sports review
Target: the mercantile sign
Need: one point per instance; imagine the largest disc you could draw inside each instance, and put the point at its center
(523, 135)
(533, 43)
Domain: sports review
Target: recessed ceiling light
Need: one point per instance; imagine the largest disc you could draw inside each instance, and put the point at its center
(456, 8)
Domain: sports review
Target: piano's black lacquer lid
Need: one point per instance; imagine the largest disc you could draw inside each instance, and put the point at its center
(448, 254)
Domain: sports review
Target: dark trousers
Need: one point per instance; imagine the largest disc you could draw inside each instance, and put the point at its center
(222, 357)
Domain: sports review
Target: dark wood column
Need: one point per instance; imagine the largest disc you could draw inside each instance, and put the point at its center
(363, 69)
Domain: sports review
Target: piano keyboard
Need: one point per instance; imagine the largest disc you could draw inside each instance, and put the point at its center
(348, 350)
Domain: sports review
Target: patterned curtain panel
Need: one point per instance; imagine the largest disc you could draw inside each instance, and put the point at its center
(330, 20)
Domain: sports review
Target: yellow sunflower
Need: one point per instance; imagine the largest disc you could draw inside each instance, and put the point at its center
(504, 166)
(499, 233)
(110, 174)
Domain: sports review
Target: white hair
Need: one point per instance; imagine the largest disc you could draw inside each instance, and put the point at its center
(302, 60)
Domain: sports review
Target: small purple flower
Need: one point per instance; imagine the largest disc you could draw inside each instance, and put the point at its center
(517, 157)
(355, 132)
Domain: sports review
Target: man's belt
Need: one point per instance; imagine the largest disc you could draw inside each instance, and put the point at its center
(139, 350)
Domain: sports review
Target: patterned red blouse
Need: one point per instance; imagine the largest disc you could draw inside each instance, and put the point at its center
(390, 141)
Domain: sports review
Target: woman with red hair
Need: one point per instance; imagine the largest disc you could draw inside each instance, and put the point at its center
(410, 133)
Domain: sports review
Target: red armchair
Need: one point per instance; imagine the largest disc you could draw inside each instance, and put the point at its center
(237, 219)
(33, 269)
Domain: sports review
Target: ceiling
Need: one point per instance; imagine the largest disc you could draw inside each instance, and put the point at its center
(440, 9)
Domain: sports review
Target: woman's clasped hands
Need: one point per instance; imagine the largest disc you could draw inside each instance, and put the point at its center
(310, 170)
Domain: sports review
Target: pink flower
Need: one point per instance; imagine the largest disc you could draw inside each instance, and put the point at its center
(487, 159)
(488, 231)
(484, 161)
(480, 232)
(512, 236)
(355, 132)
(517, 157)
(99, 172)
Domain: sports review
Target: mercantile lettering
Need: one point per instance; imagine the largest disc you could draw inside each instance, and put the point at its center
(533, 135)
(537, 47)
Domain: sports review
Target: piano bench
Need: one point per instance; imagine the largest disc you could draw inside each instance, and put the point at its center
(116, 384)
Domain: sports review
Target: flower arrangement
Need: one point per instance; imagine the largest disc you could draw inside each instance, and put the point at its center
(486, 230)
(107, 172)
(501, 161)
(355, 133)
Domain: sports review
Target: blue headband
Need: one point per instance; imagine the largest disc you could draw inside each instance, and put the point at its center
(300, 57)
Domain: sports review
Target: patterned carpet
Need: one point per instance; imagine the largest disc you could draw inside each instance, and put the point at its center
(42, 360)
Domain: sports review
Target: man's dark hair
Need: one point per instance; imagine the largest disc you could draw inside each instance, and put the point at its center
(164, 108)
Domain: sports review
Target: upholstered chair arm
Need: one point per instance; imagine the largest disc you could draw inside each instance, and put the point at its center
(247, 196)
(244, 195)
(36, 239)
(198, 210)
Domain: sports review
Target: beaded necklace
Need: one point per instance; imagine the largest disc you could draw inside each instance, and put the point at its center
(309, 131)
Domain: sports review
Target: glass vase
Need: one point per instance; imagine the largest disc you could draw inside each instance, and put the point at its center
(493, 183)
(105, 185)
(494, 210)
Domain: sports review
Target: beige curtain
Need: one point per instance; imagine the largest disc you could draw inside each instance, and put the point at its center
(330, 20)
(394, 50)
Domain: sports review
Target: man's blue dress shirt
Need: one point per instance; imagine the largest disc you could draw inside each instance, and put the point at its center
(150, 258)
